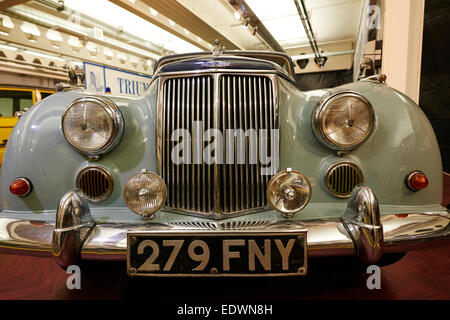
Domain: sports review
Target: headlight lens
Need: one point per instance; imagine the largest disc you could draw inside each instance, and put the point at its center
(145, 193)
(343, 121)
(92, 125)
(288, 192)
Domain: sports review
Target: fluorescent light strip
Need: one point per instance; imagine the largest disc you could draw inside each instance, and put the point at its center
(107, 40)
(4, 46)
(43, 55)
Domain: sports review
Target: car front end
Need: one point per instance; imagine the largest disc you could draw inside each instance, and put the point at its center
(223, 168)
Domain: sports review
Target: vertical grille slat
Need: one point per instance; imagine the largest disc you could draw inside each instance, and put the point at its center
(243, 102)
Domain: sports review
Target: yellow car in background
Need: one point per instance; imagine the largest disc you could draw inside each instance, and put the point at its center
(12, 100)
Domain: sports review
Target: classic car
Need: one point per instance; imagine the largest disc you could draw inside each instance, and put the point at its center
(223, 168)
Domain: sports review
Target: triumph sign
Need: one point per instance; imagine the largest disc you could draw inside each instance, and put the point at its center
(104, 79)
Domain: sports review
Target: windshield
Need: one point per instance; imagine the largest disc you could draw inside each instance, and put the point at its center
(278, 58)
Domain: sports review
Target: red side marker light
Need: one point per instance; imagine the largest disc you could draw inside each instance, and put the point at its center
(20, 187)
(416, 181)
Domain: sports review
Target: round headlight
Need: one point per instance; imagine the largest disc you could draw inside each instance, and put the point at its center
(93, 125)
(288, 192)
(145, 193)
(343, 120)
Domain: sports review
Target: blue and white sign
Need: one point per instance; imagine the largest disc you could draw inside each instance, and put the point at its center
(100, 78)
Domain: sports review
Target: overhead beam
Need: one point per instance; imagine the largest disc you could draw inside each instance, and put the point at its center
(5, 4)
(183, 20)
(89, 22)
(246, 13)
(65, 52)
(182, 16)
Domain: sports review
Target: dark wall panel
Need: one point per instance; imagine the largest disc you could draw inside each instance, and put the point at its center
(321, 80)
(435, 74)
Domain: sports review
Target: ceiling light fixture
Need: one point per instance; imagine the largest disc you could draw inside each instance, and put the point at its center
(153, 12)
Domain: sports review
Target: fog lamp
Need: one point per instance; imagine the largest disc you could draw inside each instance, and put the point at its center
(145, 193)
(288, 192)
(416, 181)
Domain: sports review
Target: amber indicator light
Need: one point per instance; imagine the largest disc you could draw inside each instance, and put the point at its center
(20, 187)
(417, 181)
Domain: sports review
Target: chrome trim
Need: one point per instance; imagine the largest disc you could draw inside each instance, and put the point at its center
(378, 78)
(162, 133)
(363, 224)
(193, 73)
(117, 120)
(108, 176)
(332, 167)
(244, 55)
(326, 237)
(73, 226)
(317, 116)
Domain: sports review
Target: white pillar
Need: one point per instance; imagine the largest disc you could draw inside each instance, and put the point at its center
(402, 45)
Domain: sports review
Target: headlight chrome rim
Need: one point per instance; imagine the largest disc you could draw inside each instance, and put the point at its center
(321, 108)
(274, 179)
(116, 117)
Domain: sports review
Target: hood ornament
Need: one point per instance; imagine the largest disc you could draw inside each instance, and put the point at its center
(218, 49)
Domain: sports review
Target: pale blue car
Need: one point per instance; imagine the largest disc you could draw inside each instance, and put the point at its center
(223, 168)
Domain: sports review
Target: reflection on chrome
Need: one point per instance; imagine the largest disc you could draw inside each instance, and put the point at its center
(367, 235)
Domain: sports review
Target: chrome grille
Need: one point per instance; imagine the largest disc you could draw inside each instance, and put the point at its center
(222, 102)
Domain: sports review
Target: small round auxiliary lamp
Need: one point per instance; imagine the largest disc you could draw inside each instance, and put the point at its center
(288, 192)
(145, 193)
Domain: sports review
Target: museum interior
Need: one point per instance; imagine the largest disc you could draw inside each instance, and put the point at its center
(224, 149)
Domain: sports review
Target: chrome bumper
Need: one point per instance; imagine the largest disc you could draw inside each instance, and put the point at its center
(361, 231)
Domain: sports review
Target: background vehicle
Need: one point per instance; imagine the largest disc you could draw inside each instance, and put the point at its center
(12, 100)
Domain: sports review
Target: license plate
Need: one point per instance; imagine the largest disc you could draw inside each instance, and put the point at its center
(215, 254)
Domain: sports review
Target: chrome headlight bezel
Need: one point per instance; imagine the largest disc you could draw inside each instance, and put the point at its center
(117, 121)
(319, 112)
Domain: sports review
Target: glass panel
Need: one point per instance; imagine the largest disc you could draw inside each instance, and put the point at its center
(25, 103)
(45, 94)
(6, 107)
(12, 101)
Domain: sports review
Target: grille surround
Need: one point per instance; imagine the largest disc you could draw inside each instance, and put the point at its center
(96, 183)
(342, 177)
(215, 200)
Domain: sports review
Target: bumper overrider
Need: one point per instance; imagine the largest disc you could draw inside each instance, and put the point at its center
(360, 231)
